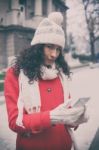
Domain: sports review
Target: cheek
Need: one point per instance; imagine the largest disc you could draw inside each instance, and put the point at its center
(46, 52)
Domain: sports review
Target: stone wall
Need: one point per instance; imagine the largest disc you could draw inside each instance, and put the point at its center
(12, 41)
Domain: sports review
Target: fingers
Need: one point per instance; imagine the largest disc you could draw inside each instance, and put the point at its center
(66, 104)
(75, 128)
(76, 111)
(73, 116)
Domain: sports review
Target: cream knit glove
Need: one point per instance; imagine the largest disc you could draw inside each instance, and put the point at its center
(83, 119)
(63, 115)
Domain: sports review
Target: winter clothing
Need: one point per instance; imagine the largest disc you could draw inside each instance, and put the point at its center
(26, 96)
(49, 137)
(50, 31)
(63, 115)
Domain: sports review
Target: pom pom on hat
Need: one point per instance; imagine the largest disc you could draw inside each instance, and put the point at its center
(50, 31)
(56, 17)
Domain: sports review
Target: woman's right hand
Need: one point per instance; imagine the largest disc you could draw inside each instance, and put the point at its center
(63, 115)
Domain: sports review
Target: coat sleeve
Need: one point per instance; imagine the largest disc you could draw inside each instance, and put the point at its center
(35, 121)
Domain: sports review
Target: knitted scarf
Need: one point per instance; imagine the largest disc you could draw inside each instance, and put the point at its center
(29, 94)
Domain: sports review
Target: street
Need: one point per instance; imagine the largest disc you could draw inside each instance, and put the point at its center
(7, 137)
(85, 83)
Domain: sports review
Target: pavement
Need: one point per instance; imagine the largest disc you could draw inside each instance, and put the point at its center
(85, 83)
(7, 137)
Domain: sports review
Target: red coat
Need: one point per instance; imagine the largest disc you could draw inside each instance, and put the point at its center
(51, 137)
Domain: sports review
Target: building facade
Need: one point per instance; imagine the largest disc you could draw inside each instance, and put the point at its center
(18, 21)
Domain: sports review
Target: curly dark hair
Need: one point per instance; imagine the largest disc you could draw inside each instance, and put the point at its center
(31, 59)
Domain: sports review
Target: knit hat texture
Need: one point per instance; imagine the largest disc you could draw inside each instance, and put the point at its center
(50, 31)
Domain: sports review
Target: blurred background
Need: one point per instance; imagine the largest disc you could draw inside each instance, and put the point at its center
(19, 19)
(18, 22)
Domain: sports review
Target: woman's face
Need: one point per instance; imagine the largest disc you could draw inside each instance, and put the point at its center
(51, 53)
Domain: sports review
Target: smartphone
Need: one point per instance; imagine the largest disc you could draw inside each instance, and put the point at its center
(81, 101)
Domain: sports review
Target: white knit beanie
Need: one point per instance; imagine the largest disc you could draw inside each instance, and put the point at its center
(50, 31)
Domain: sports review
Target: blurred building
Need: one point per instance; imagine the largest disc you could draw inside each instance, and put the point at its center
(18, 21)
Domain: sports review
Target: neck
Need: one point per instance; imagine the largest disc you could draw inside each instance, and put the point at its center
(50, 63)
(48, 66)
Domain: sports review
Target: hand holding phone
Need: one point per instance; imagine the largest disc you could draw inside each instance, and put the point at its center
(81, 101)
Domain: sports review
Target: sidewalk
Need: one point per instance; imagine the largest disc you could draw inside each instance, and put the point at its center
(79, 66)
(7, 137)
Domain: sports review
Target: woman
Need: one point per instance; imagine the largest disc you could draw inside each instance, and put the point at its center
(36, 92)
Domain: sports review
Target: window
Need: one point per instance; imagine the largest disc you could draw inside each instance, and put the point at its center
(9, 5)
(44, 7)
(30, 8)
(22, 2)
(59, 5)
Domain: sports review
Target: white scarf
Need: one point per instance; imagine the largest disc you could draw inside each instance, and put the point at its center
(29, 94)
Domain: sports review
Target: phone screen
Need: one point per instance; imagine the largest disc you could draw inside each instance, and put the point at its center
(81, 101)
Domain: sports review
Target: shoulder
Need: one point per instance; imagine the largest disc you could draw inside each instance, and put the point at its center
(10, 75)
(10, 70)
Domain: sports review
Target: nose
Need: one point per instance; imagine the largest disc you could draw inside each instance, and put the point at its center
(54, 53)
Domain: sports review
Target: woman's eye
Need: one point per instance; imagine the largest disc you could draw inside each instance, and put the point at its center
(49, 46)
(59, 49)
(53, 47)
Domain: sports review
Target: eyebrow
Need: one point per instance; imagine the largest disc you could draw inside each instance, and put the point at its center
(53, 45)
